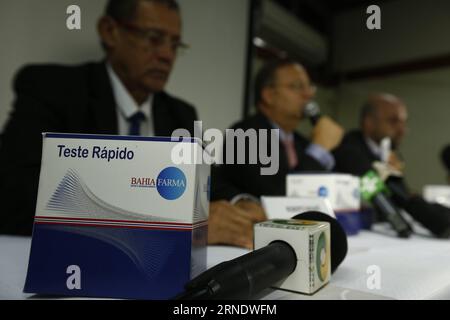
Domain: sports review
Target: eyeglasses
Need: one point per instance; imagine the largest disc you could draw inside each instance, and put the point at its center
(299, 87)
(155, 38)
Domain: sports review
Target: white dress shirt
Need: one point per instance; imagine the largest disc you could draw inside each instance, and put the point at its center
(323, 156)
(127, 106)
(374, 147)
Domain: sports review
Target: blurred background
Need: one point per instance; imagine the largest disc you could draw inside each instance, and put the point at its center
(409, 57)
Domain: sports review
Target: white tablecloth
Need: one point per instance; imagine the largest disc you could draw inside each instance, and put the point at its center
(415, 268)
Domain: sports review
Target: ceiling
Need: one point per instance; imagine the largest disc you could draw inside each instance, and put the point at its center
(319, 13)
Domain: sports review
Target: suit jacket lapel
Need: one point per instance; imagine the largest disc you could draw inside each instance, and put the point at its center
(366, 148)
(283, 160)
(102, 103)
(163, 121)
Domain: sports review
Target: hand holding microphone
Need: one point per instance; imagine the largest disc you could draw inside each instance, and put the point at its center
(390, 156)
(326, 133)
(395, 161)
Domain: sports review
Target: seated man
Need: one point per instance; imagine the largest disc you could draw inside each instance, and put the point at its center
(383, 116)
(282, 90)
(124, 94)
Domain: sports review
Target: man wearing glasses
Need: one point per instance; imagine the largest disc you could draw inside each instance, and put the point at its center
(282, 90)
(121, 95)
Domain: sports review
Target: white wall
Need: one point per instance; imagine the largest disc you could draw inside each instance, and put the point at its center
(427, 96)
(35, 32)
(410, 29)
(210, 75)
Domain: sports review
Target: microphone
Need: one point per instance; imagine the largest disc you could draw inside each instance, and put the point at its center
(432, 216)
(386, 149)
(393, 179)
(312, 111)
(338, 241)
(247, 275)
(374, 191)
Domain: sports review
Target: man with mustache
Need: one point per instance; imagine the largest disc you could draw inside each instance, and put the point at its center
(282, 90)
(124, 94)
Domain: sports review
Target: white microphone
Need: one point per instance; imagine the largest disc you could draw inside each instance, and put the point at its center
(386, 148)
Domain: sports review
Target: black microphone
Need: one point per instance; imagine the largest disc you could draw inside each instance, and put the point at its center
(374, 190)
(432, 216)
(312, 111)
(247, 275)
(338, 241)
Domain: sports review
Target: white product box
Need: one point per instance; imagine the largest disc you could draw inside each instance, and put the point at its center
(288, 207)
(115, 217)
(342, 190)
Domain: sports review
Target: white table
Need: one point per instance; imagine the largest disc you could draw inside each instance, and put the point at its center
(415, 268)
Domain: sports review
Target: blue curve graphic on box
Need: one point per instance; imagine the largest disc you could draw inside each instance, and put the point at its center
(73, 196)
(118, 262)
(155, 264)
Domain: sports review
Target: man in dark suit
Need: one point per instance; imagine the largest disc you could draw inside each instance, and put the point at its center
(382, 127)
(282, 90)
(382, 117)
(121, 95)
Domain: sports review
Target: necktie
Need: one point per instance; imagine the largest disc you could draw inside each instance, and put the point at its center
(135, 123)
(290, 153)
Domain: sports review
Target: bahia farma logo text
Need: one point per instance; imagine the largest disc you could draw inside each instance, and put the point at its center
(170, 183)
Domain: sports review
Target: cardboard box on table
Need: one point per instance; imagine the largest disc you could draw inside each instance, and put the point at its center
(115, 217)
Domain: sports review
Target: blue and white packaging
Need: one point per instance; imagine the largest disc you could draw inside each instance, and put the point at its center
(342, 190)
(115, 217)
(287, 207)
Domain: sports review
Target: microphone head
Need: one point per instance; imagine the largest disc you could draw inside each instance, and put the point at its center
(312, 111)
(386, 147)
(338, 241)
